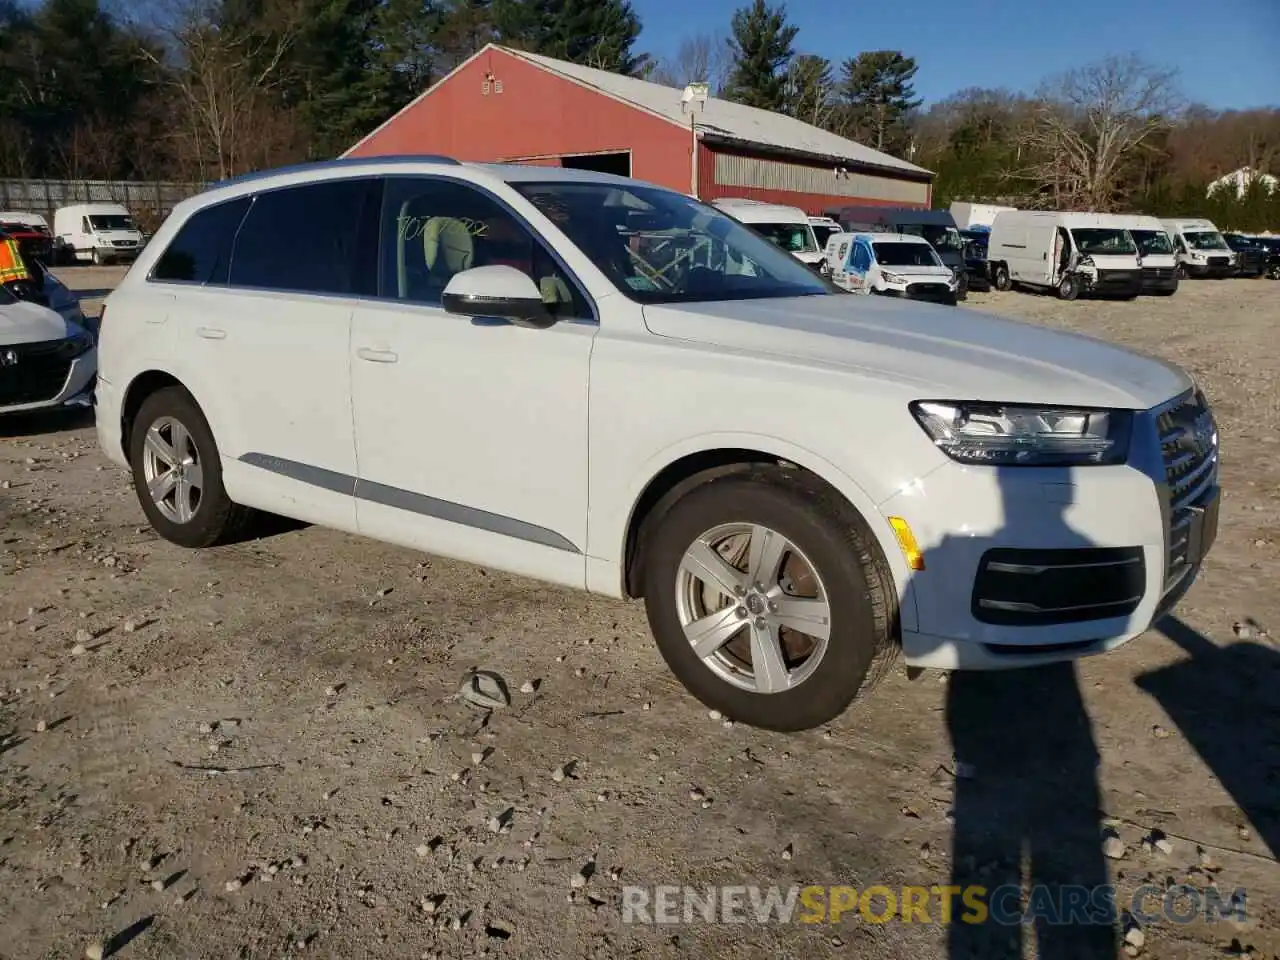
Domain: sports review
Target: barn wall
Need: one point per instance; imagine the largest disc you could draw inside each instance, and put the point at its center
(813, 188)
(528, 112)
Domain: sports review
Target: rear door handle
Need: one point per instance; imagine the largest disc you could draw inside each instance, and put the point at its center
(376, 356)
(211, 333)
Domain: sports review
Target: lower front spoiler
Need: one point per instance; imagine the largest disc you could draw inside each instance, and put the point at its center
(945, 653)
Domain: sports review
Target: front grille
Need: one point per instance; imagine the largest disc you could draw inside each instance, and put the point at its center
(123, 243)
(928, 290)
(1219, 261)
(1157, 273)
(1116, 277)
(1189, 450)
(32, 372)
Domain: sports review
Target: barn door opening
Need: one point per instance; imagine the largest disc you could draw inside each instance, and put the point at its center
(616, 163)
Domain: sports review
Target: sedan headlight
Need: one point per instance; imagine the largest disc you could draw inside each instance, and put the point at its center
(995, 434)
(75, 346)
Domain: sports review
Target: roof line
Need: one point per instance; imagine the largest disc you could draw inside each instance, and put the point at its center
(547, 68)
(415, 101)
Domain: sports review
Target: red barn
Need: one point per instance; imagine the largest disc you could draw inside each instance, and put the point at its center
(506, 105)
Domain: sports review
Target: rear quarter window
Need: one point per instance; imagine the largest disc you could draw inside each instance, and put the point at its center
(201, 252)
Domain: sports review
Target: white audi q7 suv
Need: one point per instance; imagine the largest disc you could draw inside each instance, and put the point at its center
(607, 385)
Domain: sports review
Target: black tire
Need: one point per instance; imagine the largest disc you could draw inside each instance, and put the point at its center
(1001, 279)
(216, 519)
(1180, 271)
(862, 646)
(1069, 287)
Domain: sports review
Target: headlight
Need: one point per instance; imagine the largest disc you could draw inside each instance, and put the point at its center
(892, 277)
(75, 346)
(1021, 436)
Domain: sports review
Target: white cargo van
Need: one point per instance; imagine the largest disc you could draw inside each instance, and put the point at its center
(1156, 261)
(96, 232)
(968, 215)
(1200, 249)
(890, 264)
(1072, 253)
(786, 227)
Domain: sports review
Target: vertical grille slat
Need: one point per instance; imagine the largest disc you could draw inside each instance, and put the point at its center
(1188, 440)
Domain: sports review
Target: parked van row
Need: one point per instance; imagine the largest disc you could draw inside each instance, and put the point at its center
(98, 233)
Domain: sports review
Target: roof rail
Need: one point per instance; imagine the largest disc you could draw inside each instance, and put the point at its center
(336, 164)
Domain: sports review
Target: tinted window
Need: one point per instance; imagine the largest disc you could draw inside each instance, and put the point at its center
(317, 238)
(201, 252)
(433, 229)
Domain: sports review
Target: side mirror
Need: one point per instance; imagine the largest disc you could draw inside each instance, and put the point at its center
(498, 291)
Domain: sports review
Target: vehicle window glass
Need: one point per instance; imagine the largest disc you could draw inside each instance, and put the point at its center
(201, 252)
(906, 255)
(112, 221)
(432, 229)
(659, 246)
(1103, 242)
(314, 238)
(791, 237)
(1152, 242)
(1205, 240)
(84, 225)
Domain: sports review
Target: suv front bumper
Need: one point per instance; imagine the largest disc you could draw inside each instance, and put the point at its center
(1026, 566)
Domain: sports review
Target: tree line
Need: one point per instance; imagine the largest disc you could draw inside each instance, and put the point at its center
(200, 90)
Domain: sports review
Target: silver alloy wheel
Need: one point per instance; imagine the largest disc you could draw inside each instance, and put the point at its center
(753, 607)
(171, 467)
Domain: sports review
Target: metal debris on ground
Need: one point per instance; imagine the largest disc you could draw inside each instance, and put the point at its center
(485, 689)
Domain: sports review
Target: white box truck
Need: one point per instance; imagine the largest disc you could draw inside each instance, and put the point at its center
(1156, 260)
(1201, 249)
(96, 233)
(1072, 253)
(968, 215)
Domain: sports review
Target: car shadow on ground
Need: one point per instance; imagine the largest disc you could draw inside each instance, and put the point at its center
(1027, 804)
(1223, 699)
(16, 426)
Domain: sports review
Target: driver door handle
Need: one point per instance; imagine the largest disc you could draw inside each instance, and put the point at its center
(376, 356)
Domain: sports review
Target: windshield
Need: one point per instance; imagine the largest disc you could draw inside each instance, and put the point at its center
(890, 254)
(824, 232)
(791, 237)
(111, 221)
(1204, 240)
(1103, 242)
(1237, 242)
(657, 246)
(944, 239)
(1152, 242)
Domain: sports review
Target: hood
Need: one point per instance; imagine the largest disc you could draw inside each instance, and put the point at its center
(24, 322)
(930, 351)
(808, 256)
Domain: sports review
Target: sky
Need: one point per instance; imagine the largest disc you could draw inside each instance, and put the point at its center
(1227, 51)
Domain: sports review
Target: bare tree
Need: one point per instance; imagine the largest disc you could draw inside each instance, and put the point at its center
(811, 91)
(701, 58)
(1089, 124)
(224, 77)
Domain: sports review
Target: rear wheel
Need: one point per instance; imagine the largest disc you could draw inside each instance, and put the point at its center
(1001, 278)
(177, 474)
(770, 600)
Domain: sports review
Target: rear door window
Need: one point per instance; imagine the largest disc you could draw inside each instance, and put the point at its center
(318, 238)
(201, 252)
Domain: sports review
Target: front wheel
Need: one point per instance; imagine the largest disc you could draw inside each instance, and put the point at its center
(177, 474)
(1069, 287)
(1001, 278)
(770, 600)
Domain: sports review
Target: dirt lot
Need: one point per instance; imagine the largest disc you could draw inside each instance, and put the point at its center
(353, 816)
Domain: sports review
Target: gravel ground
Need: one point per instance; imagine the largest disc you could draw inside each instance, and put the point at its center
(363, 811)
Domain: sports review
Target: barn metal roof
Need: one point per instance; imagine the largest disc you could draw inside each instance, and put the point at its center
(724, 119)
(718, 121)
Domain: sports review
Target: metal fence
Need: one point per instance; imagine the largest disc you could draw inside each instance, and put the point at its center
(150, 203)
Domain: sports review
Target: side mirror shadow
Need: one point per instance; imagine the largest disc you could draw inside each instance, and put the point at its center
(499, 291)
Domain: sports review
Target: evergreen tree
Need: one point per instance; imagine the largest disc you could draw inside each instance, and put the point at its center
(879, 95)
(595, 33)
(761, 45)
